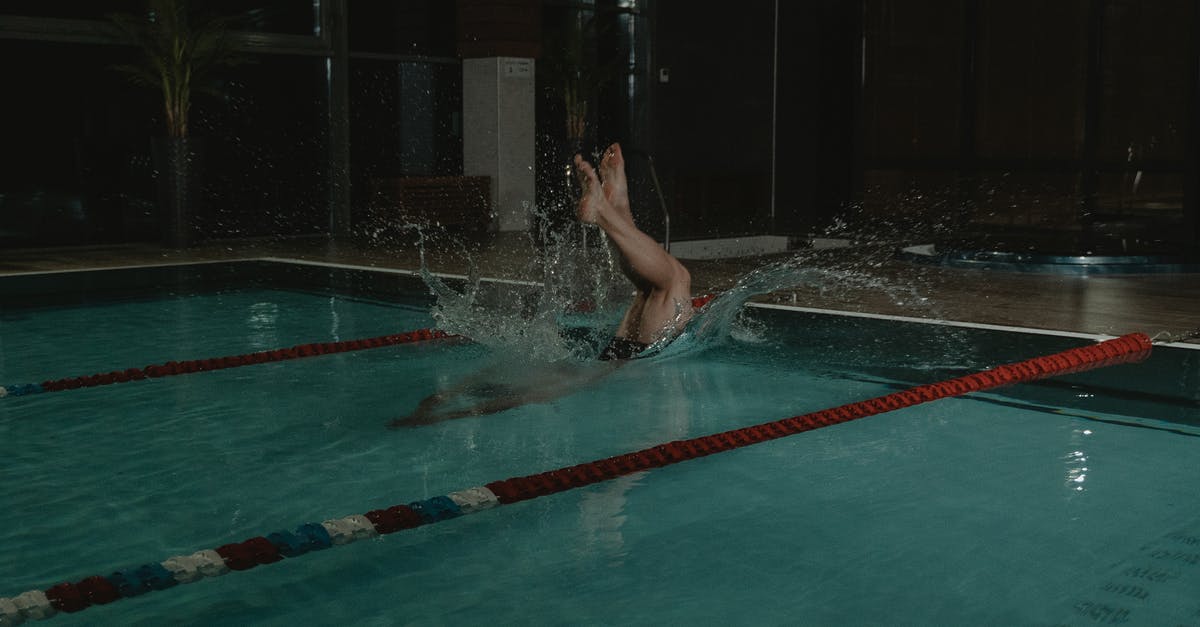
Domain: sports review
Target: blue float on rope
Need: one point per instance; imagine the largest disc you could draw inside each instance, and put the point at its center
(436, 509)
(288, 544)
(21, 389)
(315, 536)
(128, 583)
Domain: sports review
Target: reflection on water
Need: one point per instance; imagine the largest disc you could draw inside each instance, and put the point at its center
(261, 325)
(1076, 461)
(602, 509)
(601, 516)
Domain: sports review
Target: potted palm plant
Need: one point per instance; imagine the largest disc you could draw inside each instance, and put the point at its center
(180, 50)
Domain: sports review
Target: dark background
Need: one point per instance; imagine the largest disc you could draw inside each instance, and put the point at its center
(1068, 126)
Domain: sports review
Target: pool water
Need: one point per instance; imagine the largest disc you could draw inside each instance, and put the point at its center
(1051, 507)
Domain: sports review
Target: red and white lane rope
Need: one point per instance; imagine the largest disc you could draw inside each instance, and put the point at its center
(172, 368)
(266, 549)
(299, 351)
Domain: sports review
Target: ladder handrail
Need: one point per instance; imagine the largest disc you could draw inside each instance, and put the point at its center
(662, 201)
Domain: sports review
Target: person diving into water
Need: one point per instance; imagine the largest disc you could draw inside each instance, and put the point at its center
(662, 304)
(661, 307)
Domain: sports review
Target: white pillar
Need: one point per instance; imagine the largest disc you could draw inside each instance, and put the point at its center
(498, 134)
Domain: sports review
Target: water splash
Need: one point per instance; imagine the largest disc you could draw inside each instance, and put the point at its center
(566, 316)
(577, 305)
(725, 318)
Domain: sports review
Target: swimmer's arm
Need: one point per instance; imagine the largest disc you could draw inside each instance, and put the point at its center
(426, 412)
(421, 418)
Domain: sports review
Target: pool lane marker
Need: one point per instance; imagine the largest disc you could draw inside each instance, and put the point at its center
(299, 351)
(172, 368)
(309, 537)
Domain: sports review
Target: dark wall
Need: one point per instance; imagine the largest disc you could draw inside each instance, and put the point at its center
(712, 119)
(1006, 123)
(1020, 125)
(1072, 123)
(818, 104)
(732, 92)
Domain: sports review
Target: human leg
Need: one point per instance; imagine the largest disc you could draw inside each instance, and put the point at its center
(663, 303)
(612, 180)
(616, 190)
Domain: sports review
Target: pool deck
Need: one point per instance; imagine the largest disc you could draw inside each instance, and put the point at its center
(1105, 304)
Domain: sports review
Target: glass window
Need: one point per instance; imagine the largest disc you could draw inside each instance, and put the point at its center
(404, 121)
(291, 17)
(1032, 78)
(409, 27)
(78, 166)
(70, 9)
(296, 17)
(75, 166)
(912, 90)
(712, 131)
(267, 156)
(1147, 76)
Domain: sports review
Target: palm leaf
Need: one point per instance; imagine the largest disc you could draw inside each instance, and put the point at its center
(179, 53)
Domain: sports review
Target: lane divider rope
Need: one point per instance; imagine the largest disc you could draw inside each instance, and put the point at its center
(298, 351)
(273, 547)
(172, 368)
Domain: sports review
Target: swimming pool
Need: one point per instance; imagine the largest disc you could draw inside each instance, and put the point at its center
(1070, 501)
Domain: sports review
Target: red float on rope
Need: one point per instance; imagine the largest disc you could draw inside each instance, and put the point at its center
(66, 597)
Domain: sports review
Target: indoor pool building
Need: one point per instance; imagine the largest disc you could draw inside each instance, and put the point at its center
(856, 312)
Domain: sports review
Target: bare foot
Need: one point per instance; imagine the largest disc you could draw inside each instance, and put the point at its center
(592, 202)
(612, 173)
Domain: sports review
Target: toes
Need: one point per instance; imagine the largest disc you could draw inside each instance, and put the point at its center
(612, 158)
(614, 155)
(587, 175)
(582, 170)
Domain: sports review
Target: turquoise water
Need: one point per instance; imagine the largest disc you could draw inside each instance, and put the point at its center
(980, 510)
